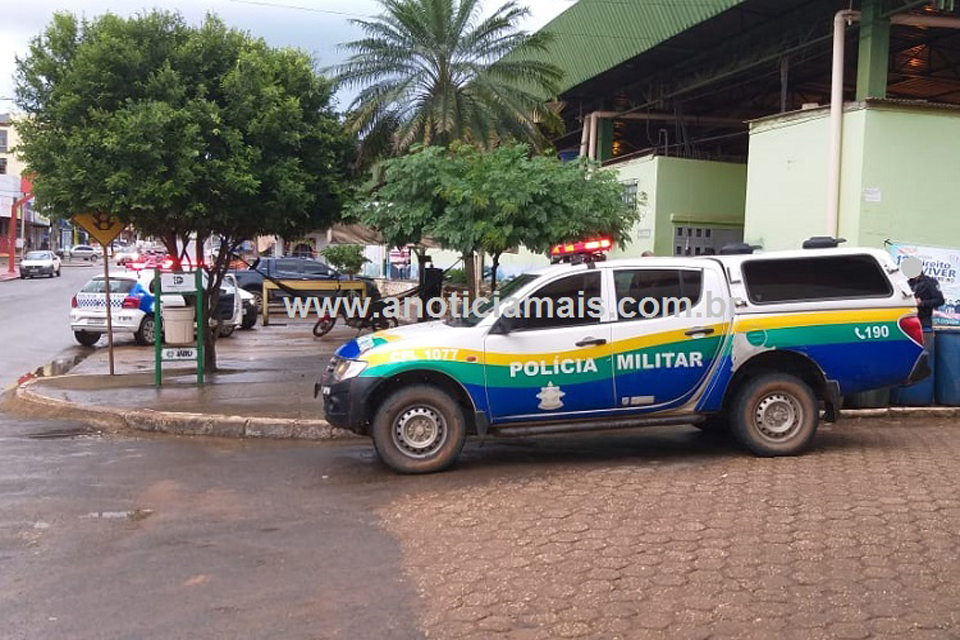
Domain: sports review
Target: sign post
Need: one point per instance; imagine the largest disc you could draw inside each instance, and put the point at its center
(178, 283)
(157, 331)
(106, 289)
(104, 228)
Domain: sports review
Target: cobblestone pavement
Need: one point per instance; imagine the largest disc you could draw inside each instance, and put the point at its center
(857, 539)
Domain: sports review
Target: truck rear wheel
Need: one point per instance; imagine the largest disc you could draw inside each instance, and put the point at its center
(419, 429)
(775, 415)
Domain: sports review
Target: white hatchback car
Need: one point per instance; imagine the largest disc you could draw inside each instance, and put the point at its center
(131, 299)
(39, 263)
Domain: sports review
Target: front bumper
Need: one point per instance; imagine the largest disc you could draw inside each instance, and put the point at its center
(36, 271)
(345, 402)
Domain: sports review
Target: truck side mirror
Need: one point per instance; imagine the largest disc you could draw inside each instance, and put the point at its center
(503, 326)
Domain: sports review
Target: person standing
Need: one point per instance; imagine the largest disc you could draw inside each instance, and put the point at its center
(926, 290)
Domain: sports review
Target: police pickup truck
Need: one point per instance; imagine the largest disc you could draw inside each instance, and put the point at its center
(758, 344)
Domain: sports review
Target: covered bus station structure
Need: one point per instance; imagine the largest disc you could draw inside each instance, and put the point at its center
(768, 121)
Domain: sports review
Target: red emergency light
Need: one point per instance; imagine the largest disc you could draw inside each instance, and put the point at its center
(585, 246)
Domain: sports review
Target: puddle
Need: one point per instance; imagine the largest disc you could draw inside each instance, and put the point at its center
(134, 515)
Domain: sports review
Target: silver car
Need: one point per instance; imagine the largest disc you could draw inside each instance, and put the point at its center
(85, 252)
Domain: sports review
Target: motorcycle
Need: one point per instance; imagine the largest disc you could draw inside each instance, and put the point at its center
(374, 318)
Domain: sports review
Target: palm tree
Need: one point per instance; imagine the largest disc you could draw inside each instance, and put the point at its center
(435, 71)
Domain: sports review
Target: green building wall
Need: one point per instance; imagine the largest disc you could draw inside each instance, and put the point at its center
(898, 178)
(674, 191)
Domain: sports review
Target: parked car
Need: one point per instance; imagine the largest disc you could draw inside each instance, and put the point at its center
(85, 252)
(755, 344)
(229, 305)
(132, 299)
(301, 269)
(132, 308)
(40, 263)
(126, 255)
(249, 306)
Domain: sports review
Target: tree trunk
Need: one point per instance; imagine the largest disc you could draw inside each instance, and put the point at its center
(211, 297)
(470, 271)
(495, 264)
(210, 333)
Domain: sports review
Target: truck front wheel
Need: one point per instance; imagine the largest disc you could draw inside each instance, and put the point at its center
(775, 415)
(419, 429)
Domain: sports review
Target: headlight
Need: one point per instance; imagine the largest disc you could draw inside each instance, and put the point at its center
(346, 369)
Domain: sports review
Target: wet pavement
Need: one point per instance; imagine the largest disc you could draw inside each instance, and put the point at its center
(662, 533)
(118, 537)
(264, 372)
(35, 321)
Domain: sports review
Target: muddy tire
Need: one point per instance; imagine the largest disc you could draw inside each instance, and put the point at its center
(419, 429)
(87, 338)
(775, 415)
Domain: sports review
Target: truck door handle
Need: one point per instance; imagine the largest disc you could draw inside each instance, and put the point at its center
(591, 342)
(700, 331)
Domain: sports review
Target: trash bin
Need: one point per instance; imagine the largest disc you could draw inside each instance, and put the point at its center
(178, 323)
(922, 393)
(947, 367)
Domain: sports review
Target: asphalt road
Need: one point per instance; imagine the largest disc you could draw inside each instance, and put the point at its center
(34, 321)
(119, 537)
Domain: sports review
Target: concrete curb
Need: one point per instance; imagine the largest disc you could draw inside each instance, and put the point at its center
(179, 423)
(225, 426)
(903, 412)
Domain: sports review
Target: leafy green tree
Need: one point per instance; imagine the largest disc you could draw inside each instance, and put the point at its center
(435, 71)
(185, 132)
(347, 258)
(469, 200)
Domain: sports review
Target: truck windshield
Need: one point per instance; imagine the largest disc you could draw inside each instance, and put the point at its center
(483, 309)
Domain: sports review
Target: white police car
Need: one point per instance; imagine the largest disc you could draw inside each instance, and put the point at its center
(759, 343)
(131, 299)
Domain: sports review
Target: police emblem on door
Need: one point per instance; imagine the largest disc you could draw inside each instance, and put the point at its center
(549, 397)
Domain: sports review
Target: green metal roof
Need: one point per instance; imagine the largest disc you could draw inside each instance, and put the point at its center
(594, 36)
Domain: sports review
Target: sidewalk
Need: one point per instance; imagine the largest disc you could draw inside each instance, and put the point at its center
(264, 387)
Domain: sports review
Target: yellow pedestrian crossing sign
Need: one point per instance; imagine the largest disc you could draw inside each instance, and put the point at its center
(102, 226)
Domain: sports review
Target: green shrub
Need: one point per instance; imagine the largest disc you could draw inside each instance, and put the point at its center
(347, 258)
